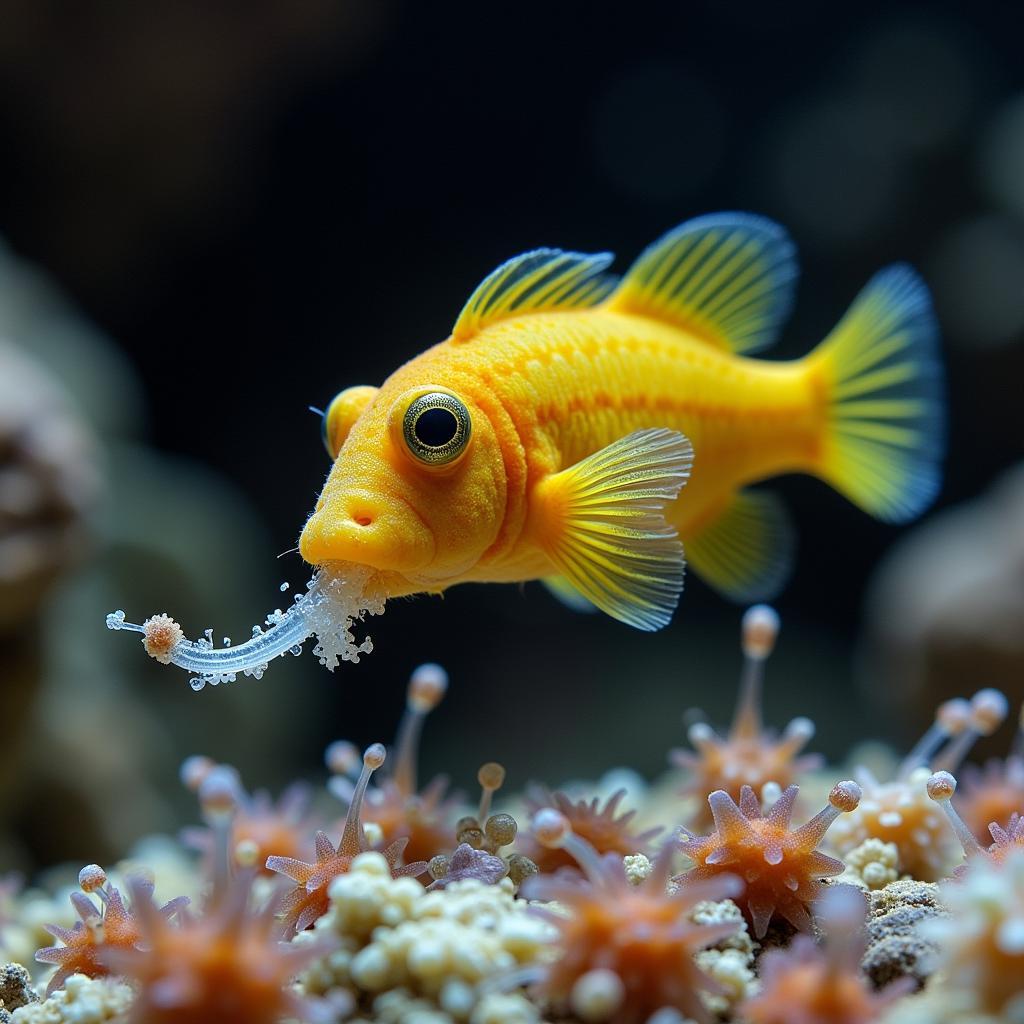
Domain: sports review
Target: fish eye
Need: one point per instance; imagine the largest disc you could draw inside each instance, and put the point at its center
(436, 428)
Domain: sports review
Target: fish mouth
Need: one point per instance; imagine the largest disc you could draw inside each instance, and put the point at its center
(379, 585)
(388, 536)
(385, 584)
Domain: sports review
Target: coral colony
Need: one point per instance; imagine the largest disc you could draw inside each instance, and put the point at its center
(406, 905)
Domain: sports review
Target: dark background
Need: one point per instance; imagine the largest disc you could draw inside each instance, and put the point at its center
(265, 202)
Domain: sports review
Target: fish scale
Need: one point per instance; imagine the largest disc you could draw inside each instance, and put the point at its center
(603, 375)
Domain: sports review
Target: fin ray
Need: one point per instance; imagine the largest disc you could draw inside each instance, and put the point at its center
(608, 537)
(880, 372)
(727, 278)
(747, 552)
(544, 279)
(563, 591)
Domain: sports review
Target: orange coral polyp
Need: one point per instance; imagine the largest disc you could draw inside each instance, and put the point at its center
(811, 984)
(268, 828)
(226, 965)
(781, 870)
(641, 933)
(423, 819)
(601, 826)
(397, 806)
(993, 793)
(260, 827)
(1006, 840)
(996, 792)
(749, 754)
(941, 787)
(308, 900)
(101, 929)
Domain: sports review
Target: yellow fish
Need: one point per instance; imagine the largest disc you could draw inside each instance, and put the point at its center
(549, 435)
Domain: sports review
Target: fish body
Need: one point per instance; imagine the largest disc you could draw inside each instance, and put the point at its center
(560, 386)
(590, 401)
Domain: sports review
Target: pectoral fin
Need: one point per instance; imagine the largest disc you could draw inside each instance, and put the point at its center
(603, 526)
(747, 552)
(564, 591)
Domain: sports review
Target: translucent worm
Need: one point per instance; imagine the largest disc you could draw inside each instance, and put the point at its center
(334, 599)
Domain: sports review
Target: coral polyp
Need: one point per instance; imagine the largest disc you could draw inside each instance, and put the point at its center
(482, 838)
(980, 963)
(226, 964)
(625, 951)
(749, 754)
(109, 926)
(599, 824)
(581, 918)
(466, 862)
(405, 953)
(941, 787)
(780, 869)
(308, 900)
(901, 812)
(397, 805)
(995, 791)
(261, 827)
(822, 984)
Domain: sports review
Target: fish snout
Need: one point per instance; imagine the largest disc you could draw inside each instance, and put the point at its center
(383, 533)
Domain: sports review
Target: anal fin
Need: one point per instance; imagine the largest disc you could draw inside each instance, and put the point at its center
(604, 529)
(747, 552)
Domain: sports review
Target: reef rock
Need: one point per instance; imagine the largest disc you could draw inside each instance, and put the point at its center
(895, 947)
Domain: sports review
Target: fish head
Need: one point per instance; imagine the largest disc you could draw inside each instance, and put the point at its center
(417, 490)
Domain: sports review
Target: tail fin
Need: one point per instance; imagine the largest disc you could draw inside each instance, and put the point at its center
(885, 423)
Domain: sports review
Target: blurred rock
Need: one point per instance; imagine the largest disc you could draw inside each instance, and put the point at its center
(48, 482)
(945, 614)
(91, 520)
(895, 948)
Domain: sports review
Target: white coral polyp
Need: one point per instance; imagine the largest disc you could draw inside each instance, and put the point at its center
(874, 863)
(439, 946)
(981, 943)
(902, 813)
(82, 1000)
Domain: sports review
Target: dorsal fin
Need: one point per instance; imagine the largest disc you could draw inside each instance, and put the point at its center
(727, 278)
(544, 279)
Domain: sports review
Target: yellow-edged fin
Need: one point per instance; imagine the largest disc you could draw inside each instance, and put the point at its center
(881, 381)
(727, 278)
(747, 552)
(544, 279)
(560, 588)
(603, 525)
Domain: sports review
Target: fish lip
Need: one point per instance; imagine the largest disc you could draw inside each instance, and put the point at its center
(421, 563)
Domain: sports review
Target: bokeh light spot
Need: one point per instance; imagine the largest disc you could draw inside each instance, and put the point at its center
(832, 170)
(1001, 156)
(977, 274)
(921, 74)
